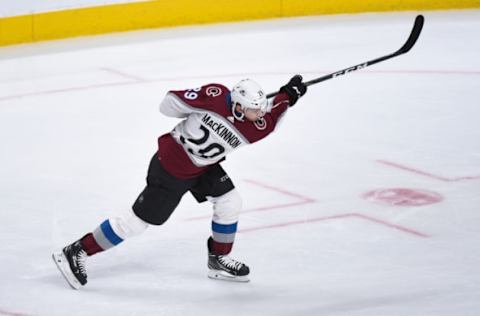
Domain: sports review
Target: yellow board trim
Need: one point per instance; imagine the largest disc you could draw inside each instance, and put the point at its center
(165, 13)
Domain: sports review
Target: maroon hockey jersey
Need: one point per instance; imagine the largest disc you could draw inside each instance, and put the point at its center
(209, 131)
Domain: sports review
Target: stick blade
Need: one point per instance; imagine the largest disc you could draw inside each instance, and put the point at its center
(414, 35)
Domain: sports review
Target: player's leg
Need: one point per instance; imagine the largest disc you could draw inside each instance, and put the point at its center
(216, 187)
(72, 259)
(153, 206)
(224, 228)
(224, 221)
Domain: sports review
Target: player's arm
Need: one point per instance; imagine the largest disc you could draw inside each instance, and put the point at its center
(295, 89)
(288, 96)
(181, 103)
(174, 106)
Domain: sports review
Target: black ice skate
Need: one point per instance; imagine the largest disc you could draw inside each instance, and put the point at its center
(223, 267)
(71, 262)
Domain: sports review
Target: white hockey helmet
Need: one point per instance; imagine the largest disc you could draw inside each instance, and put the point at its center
(249, 95)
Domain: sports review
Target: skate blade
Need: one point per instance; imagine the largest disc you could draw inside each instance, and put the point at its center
(64, 267)
(222, 275)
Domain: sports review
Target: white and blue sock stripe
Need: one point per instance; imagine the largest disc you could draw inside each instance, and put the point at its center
(105, 236)
(224, 233)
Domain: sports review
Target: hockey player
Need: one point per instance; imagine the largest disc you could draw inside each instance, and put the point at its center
(215, 122)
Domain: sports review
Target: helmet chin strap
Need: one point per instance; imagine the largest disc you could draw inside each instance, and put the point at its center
(238, 115)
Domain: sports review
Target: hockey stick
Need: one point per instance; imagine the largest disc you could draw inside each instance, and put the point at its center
(412, 39)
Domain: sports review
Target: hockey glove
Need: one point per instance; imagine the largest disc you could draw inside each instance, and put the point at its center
(295, 88)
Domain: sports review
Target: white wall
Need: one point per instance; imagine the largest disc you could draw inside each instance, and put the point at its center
(22, 7)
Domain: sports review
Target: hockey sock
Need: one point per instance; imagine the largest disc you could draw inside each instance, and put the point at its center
(90, 245)
(222, 238)
(102, 238)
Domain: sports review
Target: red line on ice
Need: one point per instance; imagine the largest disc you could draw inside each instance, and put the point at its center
(139, 80)
(253, 210)
(306, 200)
(2, 312)
(285, 224)
(279, 190)
(391, 225)
(72, 89)
(424, 173)
(123, 74)
(303, 200)
(341, 216)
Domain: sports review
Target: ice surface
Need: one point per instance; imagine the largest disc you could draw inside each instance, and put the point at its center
(79, 122)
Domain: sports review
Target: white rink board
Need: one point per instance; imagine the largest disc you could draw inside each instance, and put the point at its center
(79, 121)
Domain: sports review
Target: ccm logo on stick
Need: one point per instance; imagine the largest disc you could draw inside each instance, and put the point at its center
(346, 71)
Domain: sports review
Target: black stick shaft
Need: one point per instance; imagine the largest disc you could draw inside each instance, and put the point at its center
(412, 39)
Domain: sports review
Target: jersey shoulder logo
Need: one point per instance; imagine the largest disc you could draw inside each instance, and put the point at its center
(213, 91)
(260, 124)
